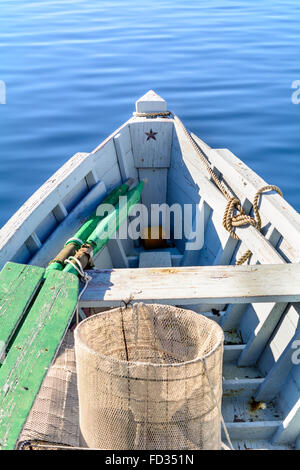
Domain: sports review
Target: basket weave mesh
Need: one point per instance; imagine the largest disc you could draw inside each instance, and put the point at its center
(149, 377)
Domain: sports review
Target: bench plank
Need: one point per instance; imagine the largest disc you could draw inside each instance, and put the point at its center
(194, 285)
(18, 284)
(32, 353)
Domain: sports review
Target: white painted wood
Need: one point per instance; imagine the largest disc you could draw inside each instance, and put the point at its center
(117, 253)
(240, 388)
(252, 430)
(232, 352)
(106, 164)
(151, 102)
(268, 316)
(154, 192)
(60, 212)
(190, 285)
(73, 197)
(33, 243)
(276, 359)
(103, 260)
(257, 444)
(150, 259)
(69, 225)
(151, 152)
(125, 156)
(235, 313)
(289, 429)
(91, 179)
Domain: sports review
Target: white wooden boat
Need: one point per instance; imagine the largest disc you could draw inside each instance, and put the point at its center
(257, 303)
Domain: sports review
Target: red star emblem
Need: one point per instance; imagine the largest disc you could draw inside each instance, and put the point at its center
(151, 135)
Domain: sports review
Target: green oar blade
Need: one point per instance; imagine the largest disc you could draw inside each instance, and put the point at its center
(32, 352)
(89, 226)
(110, 224)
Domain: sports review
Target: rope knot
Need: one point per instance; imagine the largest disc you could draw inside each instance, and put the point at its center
(232, 219)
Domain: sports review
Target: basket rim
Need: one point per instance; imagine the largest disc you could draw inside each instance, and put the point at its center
(78, 340)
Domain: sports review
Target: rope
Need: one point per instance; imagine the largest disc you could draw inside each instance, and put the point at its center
(83, 276)
(230, 219)
(162, 113)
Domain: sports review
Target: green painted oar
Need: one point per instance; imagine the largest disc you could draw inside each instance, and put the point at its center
(106, 228)
(34, 346)
(80, 237)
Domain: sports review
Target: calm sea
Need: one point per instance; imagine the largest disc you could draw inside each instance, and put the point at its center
(73, 70)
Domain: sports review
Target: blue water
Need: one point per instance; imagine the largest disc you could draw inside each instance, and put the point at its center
(73, 70)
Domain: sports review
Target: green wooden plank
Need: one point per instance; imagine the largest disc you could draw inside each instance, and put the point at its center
(32, 352)
(18, 284)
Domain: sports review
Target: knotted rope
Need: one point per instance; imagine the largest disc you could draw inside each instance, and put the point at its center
(231, 219)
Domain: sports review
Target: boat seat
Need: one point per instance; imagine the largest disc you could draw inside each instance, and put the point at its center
(31, 330)
(155, 259)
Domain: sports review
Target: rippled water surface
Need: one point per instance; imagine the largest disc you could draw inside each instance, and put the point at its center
(73, 70)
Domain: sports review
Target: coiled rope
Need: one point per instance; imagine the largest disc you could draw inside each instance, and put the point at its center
(234, 215)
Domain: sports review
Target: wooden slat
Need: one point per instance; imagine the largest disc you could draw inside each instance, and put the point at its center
(235, 313)
(125, 156)
(18, 284)
(277, 359)
(192, 285)
(32, 352)
(252, 430)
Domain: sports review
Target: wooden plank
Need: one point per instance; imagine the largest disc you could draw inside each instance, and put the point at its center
(125, 156)
(154, 192)
(117, 253)
(18, 284)
(60, 212)
(232, 352)
(242, 388)
(151, 102)
(153, 151)
(268, 318)
(33, 350)
(192, 285)
(235, 313)
(276, 359)
(155, 258)
(252, 430)
(33, 243)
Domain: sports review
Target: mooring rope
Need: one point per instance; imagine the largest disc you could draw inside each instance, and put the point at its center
(234, 215)
(84, 276)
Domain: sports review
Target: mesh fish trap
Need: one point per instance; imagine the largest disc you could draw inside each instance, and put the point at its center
(149, 377)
